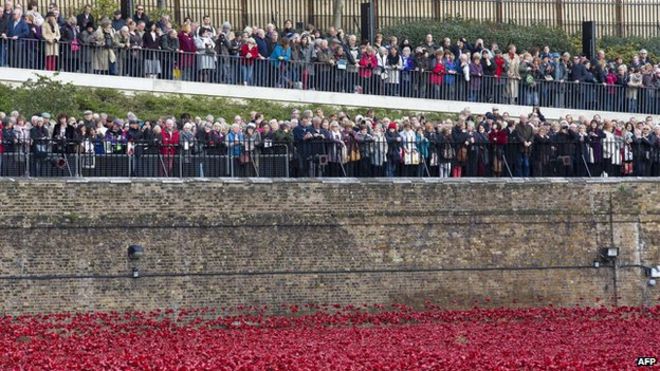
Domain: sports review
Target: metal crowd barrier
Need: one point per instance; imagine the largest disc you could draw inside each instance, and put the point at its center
(334, 75)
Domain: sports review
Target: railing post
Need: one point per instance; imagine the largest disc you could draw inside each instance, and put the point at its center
(310, 13)
(559, 10)
(177, 11)
(244, 13)
(499, 11)
(618, 14)
(437, 10)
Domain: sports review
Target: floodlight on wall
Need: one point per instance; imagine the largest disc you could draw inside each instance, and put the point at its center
(596, 264)
(136, 272)
(608, 254)
(135, 252)
(655, 272)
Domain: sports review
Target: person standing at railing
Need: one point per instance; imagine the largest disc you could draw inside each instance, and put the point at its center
(437, 70)
(123, 43)
(141, 16)
(513, 73)
(5, 21)
(87, 46)
(307, 57)
(33, 45)
(206, 55)
(151, 52)
(51, 34)
(560, 76)
(498, 139)
(525, 137)
(368, 64)
(632, 93)
(393, 145)
(249, 53)
(392, 68)
(168, 147)
(70, 48)
(39, 144)
(17, 33)
(280, 61)
(170, 45)
(33, 11)
(188, 50)
(86, 19)
(223, 48)
(476, 72)
(654, 139)
(325, 65)
(104, 59)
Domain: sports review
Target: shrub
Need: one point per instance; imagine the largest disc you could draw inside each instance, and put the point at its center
(627, 47)
(47, 95)
(525, 37)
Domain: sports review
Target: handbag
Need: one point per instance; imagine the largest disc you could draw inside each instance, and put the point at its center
(448, 152)
(244, 158)
(627, 154)
(75, 46)
(355, 155)
(383, 75)
(176, 73)
(462, 154)
(434, 159)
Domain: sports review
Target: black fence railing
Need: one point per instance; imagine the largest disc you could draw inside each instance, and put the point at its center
(337, 75)
(360, 155)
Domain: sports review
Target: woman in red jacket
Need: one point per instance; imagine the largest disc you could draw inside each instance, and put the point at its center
(498, 139)
(368, 63)
(188, 50)
(438, 72)
(249, 53)
(500, 76)
(168, 147)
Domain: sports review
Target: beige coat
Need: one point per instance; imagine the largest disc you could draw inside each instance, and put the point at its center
(52, 37)
(102, 55)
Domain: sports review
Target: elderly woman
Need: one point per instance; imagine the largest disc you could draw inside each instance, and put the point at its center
(249, 53)
(188, 49)
(50, 31)
(206, 55)
(336, 150)
(151, 52)
(104, 59)
(123, 43)
(71, 45)
(169, 43)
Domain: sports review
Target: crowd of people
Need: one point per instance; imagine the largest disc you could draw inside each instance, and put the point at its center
(311, 144)
(309, 58)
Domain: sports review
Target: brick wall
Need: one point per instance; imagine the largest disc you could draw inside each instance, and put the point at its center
(228, 243)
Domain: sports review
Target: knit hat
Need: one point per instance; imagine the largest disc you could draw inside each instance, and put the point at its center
(392, 125)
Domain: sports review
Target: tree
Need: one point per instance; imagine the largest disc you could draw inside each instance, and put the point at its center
(337, 8)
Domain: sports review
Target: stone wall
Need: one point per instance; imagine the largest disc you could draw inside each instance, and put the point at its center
(63, 244)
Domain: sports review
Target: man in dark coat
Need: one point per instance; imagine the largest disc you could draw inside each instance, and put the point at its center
(524, 133)
(85, 19)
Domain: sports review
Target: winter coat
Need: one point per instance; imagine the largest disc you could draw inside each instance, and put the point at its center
(51, 34)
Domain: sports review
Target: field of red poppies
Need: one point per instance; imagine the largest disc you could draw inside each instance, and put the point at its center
(333, 338)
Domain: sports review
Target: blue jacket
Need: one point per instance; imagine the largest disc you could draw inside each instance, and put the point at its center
(235, 148)
(278, 52)
(20, 29)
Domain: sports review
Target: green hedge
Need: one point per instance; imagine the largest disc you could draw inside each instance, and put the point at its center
(627, 47)
(524, 37)
(46, 95)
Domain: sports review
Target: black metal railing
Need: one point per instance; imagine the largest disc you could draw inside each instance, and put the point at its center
(355, 155)
(335, 75)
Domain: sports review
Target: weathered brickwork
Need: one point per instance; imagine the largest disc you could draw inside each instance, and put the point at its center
(228, 243)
